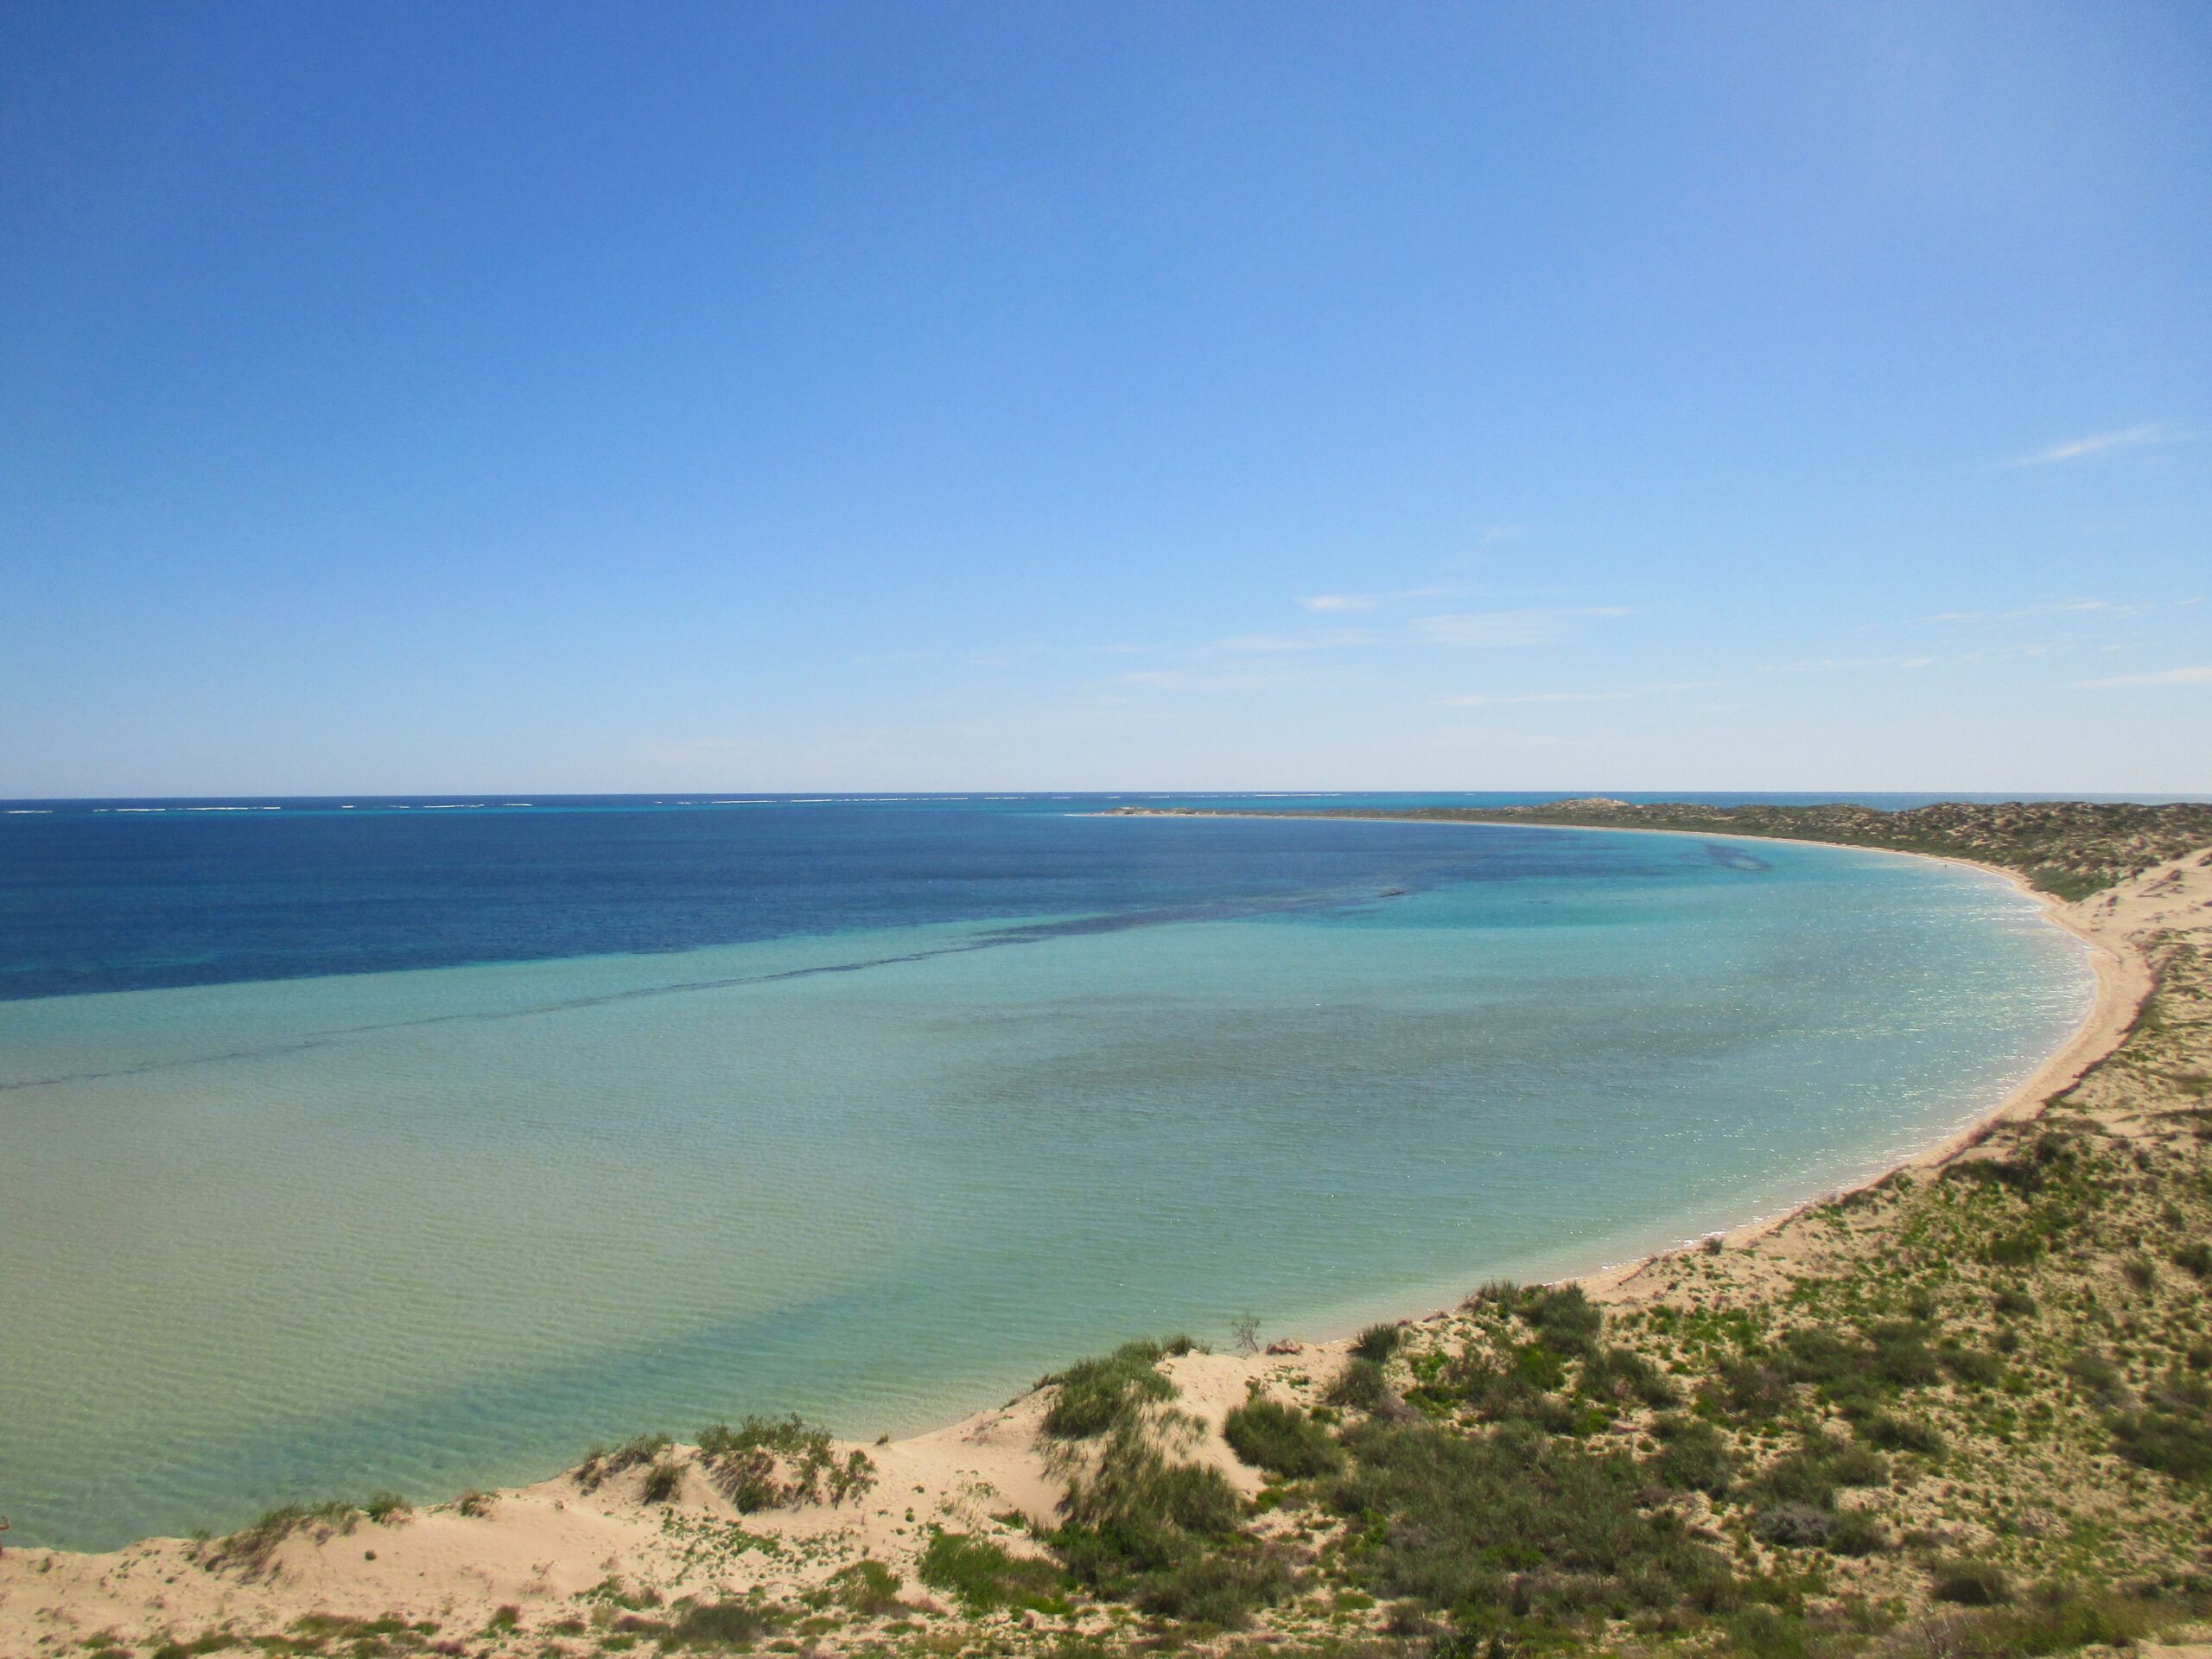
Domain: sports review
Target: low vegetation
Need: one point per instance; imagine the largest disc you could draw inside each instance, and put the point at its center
(781, 1463)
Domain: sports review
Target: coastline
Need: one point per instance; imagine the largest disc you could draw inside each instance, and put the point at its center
(548, 1542)
(2120, 976)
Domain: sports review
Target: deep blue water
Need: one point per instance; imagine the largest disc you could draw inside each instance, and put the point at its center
(136, 894)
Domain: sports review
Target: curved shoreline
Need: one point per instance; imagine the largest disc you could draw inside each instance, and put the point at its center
(2121, 979)
(533, 1553)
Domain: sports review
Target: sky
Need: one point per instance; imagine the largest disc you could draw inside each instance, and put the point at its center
(546, 397)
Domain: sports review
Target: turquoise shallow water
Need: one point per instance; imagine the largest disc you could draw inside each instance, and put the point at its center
(431, 1228)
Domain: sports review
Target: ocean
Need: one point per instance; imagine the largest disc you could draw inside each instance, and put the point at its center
(417, 1144)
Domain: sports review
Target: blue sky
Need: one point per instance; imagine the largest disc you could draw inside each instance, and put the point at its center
(1041, 396)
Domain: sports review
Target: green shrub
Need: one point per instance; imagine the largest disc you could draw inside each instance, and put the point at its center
(384, 1508)
(1818, 1355)
(1221, 1587)
(984, 1578)
(1855, 1532)
(1566, 1319)
(868, 1588)
(662, 1482)
(1453, 1520)
(1280, 1438)
(1623, 1374)
(2055, 1622)
(1360, 1385)
(1794, 1526)
(1692, 1457)
(1377, 1342)
(2174, 1443)
(2099, 1375)
(1902, 1355)
(1974, 1367)
(1748, 1389)
(1902, 1435)
(1518, 1390)
(1797, 1478)
(252, 1547)
(602, 1461)
(772, 1462)
(1092, 1394)
(730, 1624)
(1970, 1583)
(2194, 1258)
(1163, 1534)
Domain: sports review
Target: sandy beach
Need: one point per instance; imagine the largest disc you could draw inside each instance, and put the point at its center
(537, 1549)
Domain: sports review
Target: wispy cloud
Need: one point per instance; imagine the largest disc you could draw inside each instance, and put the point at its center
(2104, 609)
(2098, 443)
(1527, 627)
(1828, 664)
(1487, 700)
(1182, 679)
(1484, 700)
(1338, 604)
(1330, 640)
(2161, 677)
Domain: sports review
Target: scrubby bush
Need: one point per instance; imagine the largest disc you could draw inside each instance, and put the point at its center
(1794, 1526)
(1902, 1355)
(1453, 1520)
(603, 1462)
(773, 1462)
(1091, 1394)
(2057, 1621)
(984, 1578)
(1162, 1534)
(253, 1548)
(1692, 1457)
(868, 1588)
(1902, 1435)
(1973, 1367)
(1970, 1583)
(1360, 1385)
(1280, 1438)
(2099, 1375)
(1221, 1587)
(1856, 1533)
(1567, 1320)
(731, 1623)
(1622, 1374)
(2173, 1432)
(1377, 1342)
(1748, 1389)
